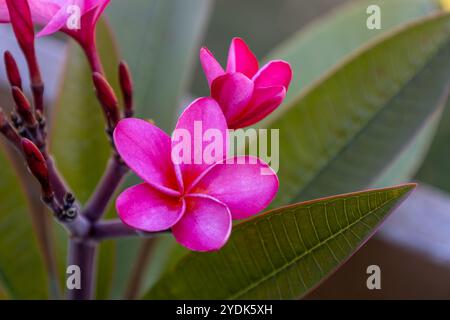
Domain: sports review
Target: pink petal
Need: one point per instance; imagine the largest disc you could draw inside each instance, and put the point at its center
(264, 102)
(54, 21)
(211, 67)
(205, 226)
(241, 59)
(90, 12)
(275, 73)
(233, 92)
(202, 117)
(246, 188)
(144, 208)
(55, 24)
(146, 149)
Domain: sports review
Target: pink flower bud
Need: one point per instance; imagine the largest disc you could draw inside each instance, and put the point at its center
(246, 93)
(12, 70)
(37, 165)
(126, 84)
(107, 98)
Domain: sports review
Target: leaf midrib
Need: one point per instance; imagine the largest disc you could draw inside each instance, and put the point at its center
(304, 254)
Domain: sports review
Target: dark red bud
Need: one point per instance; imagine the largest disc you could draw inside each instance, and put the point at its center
(23, 107)
(12, 70)
(126, 84)
(107, 97)
(37, 165)
(20, 15)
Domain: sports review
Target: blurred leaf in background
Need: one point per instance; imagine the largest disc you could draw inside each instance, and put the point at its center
(436, 168)
(22, 273)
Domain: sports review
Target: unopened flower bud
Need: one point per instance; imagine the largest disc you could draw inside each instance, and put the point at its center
(107, 98)
(22, 23)
(12, 70)
(23, 107)
(38, 166)
(126, 84)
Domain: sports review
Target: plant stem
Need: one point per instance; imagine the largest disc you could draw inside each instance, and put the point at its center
(82, 253)
(116, 229)
(57, 182)
(111, 180)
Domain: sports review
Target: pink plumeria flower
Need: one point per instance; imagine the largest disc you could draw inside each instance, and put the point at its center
(55, 15)
(197, 201)
(246, 93)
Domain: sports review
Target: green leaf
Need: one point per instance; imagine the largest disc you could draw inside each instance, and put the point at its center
(22, 274)
(160, 41)
(284, 253)
(436, 166)
(344, 132)
(78, 140)
(409, 160)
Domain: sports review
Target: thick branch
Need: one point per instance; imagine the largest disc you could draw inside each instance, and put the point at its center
(116, 229)
(56, 180)
(78, 226)
(111, 180)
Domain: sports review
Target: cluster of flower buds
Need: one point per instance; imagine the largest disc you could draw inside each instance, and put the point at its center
(21, 20)
(26, 127)
(26, 130)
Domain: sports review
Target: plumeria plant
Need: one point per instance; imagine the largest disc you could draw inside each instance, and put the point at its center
(188, 184)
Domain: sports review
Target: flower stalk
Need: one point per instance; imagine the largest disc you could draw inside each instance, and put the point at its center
(116, 229)
(108, 185)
